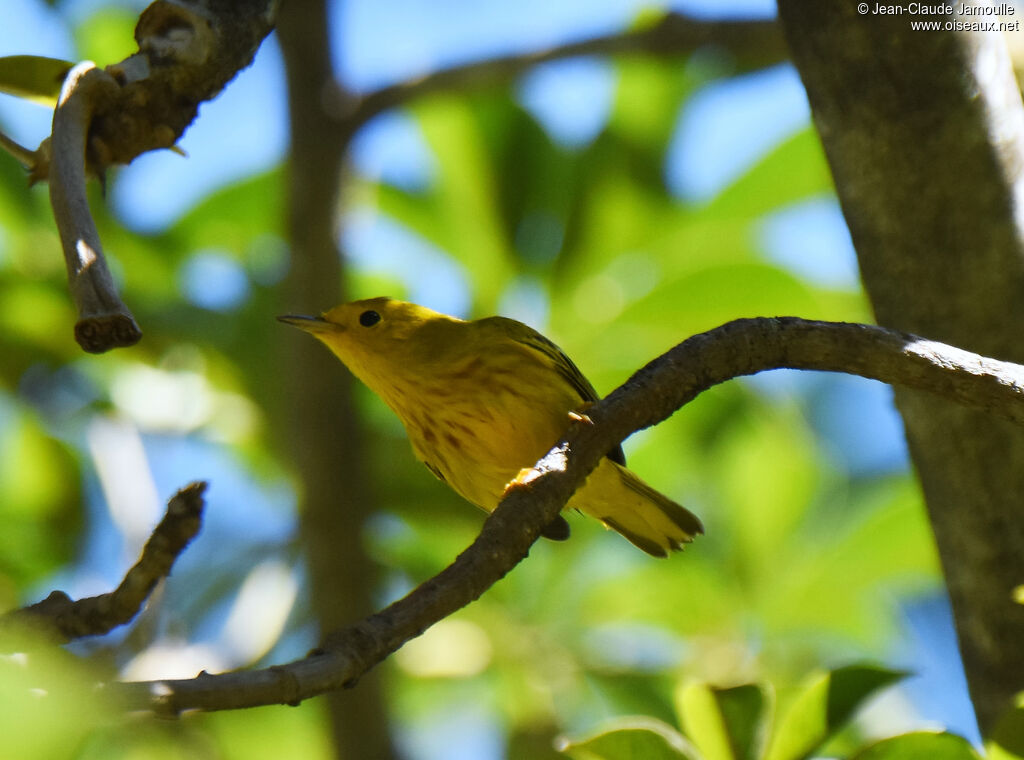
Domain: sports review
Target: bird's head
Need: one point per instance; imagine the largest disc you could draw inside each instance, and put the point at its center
(378, 338)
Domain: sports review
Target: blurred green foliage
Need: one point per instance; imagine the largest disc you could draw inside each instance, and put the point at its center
(48, 700)
(801, 558)
(738, 723)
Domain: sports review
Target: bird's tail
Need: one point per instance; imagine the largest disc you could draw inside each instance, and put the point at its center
(626, 504)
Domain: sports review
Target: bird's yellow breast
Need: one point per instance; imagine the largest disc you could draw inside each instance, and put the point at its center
(483, 399)
(486, 420)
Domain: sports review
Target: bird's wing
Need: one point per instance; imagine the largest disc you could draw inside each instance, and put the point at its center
(532, 339)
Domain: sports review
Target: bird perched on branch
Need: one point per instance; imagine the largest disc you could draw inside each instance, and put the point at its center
(483, 399)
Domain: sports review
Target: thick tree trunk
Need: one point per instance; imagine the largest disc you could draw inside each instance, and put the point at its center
(326, 438)
(924, 132)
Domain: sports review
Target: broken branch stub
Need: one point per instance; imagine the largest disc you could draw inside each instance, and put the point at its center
(104, 322)
(188, 51)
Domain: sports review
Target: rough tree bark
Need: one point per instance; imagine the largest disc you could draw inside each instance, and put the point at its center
(924, 132)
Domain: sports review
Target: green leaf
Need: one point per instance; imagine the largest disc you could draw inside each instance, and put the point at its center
(774, 447)
(725, 724)
(269, 733)
(466, 218)
(698, 300)
(39, 497)
(920, 745)
(1007, 740)
(850, 686)
(33, 77)
(107, 35)
(48, 700)
(232, 217)
(648, 97)
(796, 169)
(647, 17)
(825, 703)
(634, 738)
(882, 538)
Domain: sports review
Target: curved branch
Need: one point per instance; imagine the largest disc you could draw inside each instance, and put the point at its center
(104, 322)
(188, 51)
(742, 347)
(750, 44)
(97, 615)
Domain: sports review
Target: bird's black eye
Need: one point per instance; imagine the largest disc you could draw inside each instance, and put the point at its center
(369, 318)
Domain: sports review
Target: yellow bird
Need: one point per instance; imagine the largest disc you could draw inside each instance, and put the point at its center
(483, 399)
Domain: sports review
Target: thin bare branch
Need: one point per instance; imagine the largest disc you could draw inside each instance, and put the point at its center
(750, 44)
(96, 615)
(19, 152)
(742, 347)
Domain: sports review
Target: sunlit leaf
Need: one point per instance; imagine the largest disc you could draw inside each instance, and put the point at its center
(703, 298)
(539, 181)
(1007, 739)
(921, 745)
(633, 739)
(33, 77)
(107, 36)
(648, 96)
(39, 498)
(794, 170)
(769, 475)
(614, 212)
(268, 733)
(48, 703)
(232, 217)
(826, 701)
(832, 581)
(35, 313)
(725, 724)
(467, 220)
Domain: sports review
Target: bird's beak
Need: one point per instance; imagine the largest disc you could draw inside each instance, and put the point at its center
(308, 324)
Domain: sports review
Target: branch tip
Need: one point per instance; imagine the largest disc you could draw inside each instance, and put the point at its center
(97, 615)
(99, 333)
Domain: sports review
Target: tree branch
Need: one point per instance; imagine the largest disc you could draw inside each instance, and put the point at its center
(104, 322)
(751, 45)
(742, 347)
(97, 615)
(188, 51)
